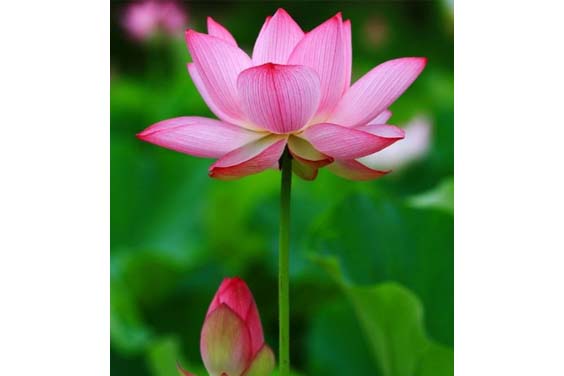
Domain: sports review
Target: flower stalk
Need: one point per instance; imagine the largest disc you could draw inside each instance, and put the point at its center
(284, 264)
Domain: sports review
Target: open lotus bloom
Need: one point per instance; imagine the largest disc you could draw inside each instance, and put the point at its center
(293, 92)
(232, 341)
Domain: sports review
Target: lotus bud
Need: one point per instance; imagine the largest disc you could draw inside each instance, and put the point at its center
(232, 340)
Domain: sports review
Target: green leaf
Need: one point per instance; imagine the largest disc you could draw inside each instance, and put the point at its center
(392, 320)
(292, 373)
(128, 332)
(441, 197)
(335, 342)
(377, 238)
(436, 361)
(163, 355)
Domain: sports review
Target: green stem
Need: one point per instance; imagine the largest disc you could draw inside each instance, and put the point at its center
(284, 264)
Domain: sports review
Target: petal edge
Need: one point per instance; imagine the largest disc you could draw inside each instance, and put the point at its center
(347, 143)
(182, 371)
(376, 91)
(277, 39)
(249, 159)
(323, 50)
(354, 170)
(218, 30)
(219, 63)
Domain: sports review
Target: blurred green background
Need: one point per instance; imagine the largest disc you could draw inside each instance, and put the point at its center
(371, 262)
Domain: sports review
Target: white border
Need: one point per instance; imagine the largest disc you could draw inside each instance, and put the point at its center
(54, 267)
(509, 310)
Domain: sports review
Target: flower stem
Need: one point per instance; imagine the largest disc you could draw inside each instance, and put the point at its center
(284, 264)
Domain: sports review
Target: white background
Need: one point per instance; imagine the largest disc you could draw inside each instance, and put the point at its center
(54, 188)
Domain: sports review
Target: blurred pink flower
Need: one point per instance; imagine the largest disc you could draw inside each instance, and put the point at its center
(232, 341)
(293, 92)
(144, 19)
(415, 146)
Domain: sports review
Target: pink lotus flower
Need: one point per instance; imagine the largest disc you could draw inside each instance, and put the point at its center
(293, 92)
(232, 341)
(143, 19)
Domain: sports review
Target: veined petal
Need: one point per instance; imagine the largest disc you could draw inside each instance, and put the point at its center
(277, 39)
(263, 364)
(347, 41)
(353, 170)
(249, 159)
(279, 98)
(376, 91)
(304, 170)
(381, 118)
(217, 30)
(264, 25)
(219, 64)
(323, 50)
(210, 101)
(225, 343)
(348, 143)
(305, 153)
(198, 136)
